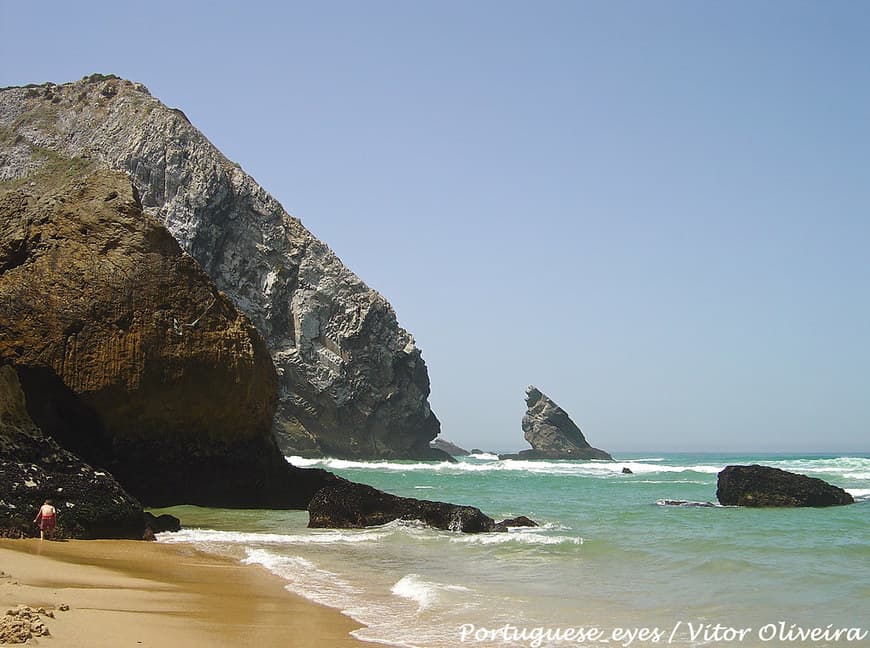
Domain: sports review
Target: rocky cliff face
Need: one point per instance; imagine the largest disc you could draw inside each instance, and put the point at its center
(551, 432)
(351, 381)
(34, 468)
(129, 355)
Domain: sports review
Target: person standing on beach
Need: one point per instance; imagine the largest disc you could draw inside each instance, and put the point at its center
(47, 519)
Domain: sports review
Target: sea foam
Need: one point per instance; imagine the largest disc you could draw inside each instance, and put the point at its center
(212, 536)
(565, 467)
(421, 591)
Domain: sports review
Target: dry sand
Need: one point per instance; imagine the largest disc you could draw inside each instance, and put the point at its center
(128, 593)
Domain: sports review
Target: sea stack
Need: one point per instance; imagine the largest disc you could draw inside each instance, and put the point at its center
(551, 432)
(765, 486)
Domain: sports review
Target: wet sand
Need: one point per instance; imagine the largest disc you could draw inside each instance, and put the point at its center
(128, 593)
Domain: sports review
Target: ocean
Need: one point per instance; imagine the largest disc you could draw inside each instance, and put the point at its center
(611, 564)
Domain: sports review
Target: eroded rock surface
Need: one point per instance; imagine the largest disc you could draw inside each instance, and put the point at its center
(551, 432)
(129, 355)
(765, 486)
(351, 381)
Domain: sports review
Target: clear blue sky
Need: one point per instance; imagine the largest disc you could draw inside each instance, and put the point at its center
(656, 212)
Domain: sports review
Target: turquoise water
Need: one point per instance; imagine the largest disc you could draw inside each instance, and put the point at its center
(609, 554)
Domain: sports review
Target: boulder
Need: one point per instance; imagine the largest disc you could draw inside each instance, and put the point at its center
(351, 382)
(627, 471)
(521, 521)
(450, 448)
(765, 486)
(551, 432)
(33, 468)
(161, 523)
(129, 355)
(347, 505)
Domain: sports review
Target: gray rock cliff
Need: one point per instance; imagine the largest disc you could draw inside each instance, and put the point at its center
(352, 383)
(551, 432)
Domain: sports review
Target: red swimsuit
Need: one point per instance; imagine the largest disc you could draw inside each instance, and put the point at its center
(46, 522)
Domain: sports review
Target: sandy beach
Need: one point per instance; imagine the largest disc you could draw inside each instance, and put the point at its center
(128, 593)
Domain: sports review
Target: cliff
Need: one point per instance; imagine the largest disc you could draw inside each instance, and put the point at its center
(128, 354)
(551, 432)
(351, 382)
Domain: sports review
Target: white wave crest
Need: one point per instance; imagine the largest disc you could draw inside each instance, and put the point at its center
(484, 456)
(859, 493)
(566, 467)
(422, 592)
(847, 467)
(306, 578)
(212, 536)
(522, 537)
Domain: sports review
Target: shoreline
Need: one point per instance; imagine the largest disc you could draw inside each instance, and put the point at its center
(129, 592)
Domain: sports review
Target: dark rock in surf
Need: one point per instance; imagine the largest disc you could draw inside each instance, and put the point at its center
(161, 523)
(765, 486)
(627, 471)
(348, 505)
(521, 521)
(551, 432)
(450, 448)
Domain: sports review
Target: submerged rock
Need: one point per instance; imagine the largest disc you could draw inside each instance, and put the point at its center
(33, 468)
(129, 355)
(347, 505)
(685, 503)
(551, 432)
(765, 486)
(450, 448)
(351, 381)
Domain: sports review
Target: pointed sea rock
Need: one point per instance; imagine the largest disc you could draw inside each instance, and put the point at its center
(551, 432)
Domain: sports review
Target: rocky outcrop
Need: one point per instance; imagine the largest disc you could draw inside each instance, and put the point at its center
(450, 448)
(33, 468)
(351, 381)
(162, 523)
(551, 432)
(765, 486)
(348, 505)
(516, 522)
(129, 355)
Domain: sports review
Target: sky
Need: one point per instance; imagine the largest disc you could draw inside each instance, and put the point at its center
(656, 212)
